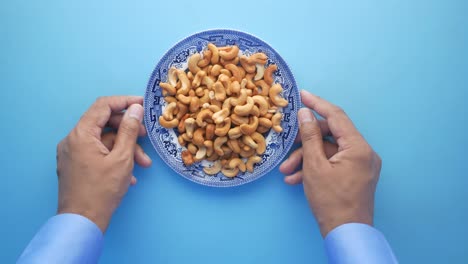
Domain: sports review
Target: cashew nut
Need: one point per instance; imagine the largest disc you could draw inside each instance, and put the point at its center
(262, 121)
(276, 122)
(236, 73)
(216, 70)
(235, 133)
(260, 72)
(206, 59)
(251, 162)
(186, 85)
(167, 88)
(275, 95)
(229, 53)
(201, 153)
(193, 63)
(198, 137)
(239, 120)
(168, 124)
(172, 76)
(243, 110)
(214, 53)
(248, 129)
(187, 158)
(230, 173)
(218, 143)
(249, 142)
(234, 145)
(198, 79)
(209, 133)
(260, 141)
(258, 58)
(194, 104)
(261, 103)
(208, 81)
(214, 169)
(204, 115)
(268, 74)
(237, 163)
(192, 148)
(222, 130)
(168, 113)
(219, 116)
(220, 92)
(189, 126)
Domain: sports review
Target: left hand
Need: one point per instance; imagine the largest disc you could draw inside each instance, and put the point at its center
(95, 168)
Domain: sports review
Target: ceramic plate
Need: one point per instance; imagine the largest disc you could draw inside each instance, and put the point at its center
(165, 140)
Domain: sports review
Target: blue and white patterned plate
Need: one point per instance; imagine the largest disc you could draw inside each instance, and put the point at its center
(165, 140)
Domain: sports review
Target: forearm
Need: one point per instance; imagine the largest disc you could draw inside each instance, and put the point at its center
(65, 238)
(358, 243)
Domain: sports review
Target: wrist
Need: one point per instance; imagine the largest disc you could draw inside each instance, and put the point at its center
(327, 225)
(101, 221)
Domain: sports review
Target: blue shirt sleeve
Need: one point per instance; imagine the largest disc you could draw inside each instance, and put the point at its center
(358, 243)
(65, 238)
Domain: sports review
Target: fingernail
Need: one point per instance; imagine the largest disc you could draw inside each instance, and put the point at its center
(305, 115)
(135, 111)
(147, 157)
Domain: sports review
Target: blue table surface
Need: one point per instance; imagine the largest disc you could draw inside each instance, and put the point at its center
(399, 69)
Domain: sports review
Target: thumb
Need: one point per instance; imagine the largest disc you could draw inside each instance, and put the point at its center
(127, 134)
(311, 137)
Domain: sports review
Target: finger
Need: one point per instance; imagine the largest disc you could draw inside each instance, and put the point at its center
(127, 134)
(141, 158)
(323, 128)
(133, 181)
(293, 179)
(292, 163)
(116, 118)
(339, 123)
(330, 149)
(98, 114)
(312, 142)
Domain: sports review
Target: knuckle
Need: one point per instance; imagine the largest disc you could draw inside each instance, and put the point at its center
(310, 134)
(129, 128)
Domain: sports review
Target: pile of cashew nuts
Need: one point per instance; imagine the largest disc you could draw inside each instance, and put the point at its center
(222, 106)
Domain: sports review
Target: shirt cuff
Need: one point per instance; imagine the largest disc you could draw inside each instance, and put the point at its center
(358, 243)
(65, 238)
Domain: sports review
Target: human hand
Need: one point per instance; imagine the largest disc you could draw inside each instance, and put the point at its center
(95, 168)
(339, 179)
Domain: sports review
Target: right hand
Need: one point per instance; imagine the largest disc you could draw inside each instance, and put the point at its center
(339, 179)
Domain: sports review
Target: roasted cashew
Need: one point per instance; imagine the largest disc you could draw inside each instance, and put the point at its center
(262, 104)
(192, 148)
(190, 76)
(216, 70)
(235, 87)
(247, 153)
(268, 74)
(194, 104)
(206, 59)
(255, 111)
(234, 145)
(263, 129)
(213, 157)
(237, 163)
(200, 91)
(201, 153)
(242, 99)
(168, 124)
(243, 110)
(227, 151)
(235, 133)
(236, 73)
(230, 173)
(187, 158)
(224, 62)
(167, 89)
(214, 169)
(193, 63)
(226, 72)
(239, 120)
(214, 53)
(248, 129)
(227, 104)
(172, 76)
(170, 99)
(230, 53)
(218, 143)
(181, 140)
(220, 92)
(275, 95)
(214, 108)
(184, 99)
(204, 115)
(260, 141)
(222, 130)
(264, 87)
(189, 126)
(168, 113)
(198, 79)
(219, 116)
(210, 129)
(206, 97)
(251, 162)
(181, 125)
(249, 142)
(186, 85)
(199, 137)
(208, 82)
(262, 121)
(245, 63)
(186, 137)
(258, 58)
(209, 147)
(260, 72)
(276, 122)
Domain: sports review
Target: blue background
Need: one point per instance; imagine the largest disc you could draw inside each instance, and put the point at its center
(399, 68)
